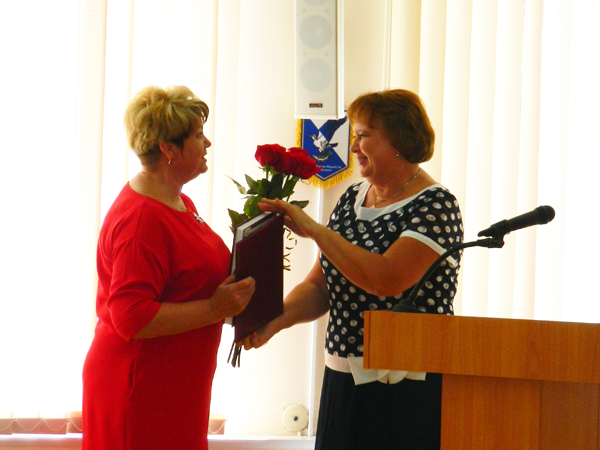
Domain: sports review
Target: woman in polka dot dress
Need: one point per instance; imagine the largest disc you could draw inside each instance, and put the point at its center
(382, 236)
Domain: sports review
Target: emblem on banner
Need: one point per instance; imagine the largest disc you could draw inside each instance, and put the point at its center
(328, 142)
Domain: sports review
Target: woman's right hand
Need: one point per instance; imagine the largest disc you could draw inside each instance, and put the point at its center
(231, 297)
(262, 336)
(306, 302)
(295, 218)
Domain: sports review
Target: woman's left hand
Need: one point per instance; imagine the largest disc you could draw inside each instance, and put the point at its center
(295, 218)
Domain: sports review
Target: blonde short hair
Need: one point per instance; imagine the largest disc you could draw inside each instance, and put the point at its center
(156, 115)
(402, 118)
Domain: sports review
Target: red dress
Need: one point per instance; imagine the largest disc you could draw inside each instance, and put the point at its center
(145, 394)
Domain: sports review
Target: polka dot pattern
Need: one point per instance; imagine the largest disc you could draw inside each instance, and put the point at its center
(435, 215)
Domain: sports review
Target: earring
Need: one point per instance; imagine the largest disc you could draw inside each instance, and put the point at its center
(170, 161)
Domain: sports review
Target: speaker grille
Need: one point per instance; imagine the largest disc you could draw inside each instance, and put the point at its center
(315, 32)
(317, 59)
(316, 75)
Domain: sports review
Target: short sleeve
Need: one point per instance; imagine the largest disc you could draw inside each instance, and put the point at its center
(435, 220)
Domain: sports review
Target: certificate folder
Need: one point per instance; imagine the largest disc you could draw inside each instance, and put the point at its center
(257, 252)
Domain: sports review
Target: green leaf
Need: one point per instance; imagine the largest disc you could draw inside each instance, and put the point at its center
(277, 180)
(275, 193)
(288, 188)
(274, 187)
(300, 203)
(264, 187)
(241, 189)
(251, 183)
(251, 208)
(236, 217)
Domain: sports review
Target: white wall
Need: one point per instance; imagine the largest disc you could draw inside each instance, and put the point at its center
(254, 396)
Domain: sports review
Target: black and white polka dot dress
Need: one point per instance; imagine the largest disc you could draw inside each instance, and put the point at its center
(432, 216)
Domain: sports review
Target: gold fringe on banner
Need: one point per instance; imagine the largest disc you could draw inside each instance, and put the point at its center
(326, 184)
(299, 133)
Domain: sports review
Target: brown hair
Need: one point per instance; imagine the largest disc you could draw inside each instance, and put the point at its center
(403, 119)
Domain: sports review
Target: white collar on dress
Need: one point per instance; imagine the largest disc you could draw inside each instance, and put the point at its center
(364, 213)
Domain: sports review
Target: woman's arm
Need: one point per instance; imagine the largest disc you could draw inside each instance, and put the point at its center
(390, 273)
(308, 301)
(229, 299)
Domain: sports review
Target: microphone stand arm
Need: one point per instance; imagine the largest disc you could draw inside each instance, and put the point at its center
(408, 304)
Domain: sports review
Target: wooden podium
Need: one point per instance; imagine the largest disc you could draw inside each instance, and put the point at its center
(508, 384)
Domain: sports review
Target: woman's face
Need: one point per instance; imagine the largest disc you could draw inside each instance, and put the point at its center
(375, 156)
(194, 152)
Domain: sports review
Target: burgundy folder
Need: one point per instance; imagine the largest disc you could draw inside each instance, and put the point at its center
(258, 253)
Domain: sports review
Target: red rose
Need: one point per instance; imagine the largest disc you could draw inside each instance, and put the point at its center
(287, 164)
(269, 154)
(306, 166)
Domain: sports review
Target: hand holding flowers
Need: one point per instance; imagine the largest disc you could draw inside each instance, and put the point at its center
(283, 168)
(296, 219)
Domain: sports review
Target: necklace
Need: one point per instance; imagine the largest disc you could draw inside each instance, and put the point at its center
(381, 200)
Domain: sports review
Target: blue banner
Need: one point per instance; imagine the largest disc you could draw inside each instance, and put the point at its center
(328, 142)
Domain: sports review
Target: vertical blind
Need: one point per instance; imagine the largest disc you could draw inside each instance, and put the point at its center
(511, 87)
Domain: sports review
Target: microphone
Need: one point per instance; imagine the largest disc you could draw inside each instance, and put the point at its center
(539, 216)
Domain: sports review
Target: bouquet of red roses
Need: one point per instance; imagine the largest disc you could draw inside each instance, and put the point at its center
(283, 168)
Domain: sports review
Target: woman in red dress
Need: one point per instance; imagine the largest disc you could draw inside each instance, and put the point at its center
(163, 290)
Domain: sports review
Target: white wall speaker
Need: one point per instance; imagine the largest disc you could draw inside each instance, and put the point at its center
(319, 59)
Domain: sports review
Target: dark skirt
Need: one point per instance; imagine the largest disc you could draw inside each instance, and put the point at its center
(406, 415)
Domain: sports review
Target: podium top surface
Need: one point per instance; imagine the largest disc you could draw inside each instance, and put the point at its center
(507, 348)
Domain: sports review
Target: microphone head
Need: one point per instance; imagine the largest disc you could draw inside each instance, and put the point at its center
(546, 214)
